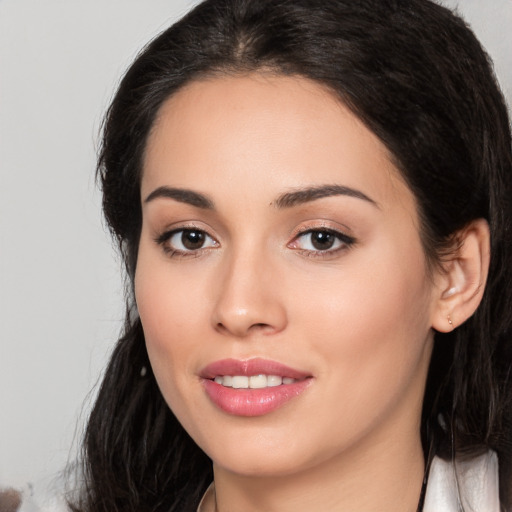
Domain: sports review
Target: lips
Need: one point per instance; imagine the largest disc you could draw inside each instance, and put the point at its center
(252, 387)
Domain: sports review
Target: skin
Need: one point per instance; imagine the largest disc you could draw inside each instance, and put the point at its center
(357, 319)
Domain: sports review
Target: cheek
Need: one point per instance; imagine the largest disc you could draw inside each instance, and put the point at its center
(372, 323)
(166, 301)
(165, 311)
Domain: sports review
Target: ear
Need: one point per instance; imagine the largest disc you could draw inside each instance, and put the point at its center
(461, 282)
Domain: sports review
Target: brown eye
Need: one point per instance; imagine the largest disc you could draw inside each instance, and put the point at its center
(322, 240)
(186, 241)
(192, 239)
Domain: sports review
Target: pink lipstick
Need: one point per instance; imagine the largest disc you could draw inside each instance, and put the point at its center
(252, 387)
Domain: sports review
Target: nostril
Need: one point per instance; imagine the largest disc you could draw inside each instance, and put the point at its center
(263, 316)
(243, 331)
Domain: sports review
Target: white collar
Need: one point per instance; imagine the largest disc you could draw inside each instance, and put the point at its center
(476, 481)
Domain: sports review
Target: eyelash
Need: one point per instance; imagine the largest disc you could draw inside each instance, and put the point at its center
(345, 241)
(164, 241)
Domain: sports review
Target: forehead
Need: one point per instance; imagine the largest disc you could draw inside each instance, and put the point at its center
(253, 130)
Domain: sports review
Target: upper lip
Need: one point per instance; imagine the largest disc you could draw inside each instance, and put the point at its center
(249, 367)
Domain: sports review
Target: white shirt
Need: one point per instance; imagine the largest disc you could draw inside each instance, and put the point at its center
(477, 480)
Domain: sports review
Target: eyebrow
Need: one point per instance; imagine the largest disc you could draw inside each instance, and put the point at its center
(286, 200)
(305, 195)
(183, 196)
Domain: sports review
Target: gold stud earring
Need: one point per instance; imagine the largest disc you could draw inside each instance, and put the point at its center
(450, 321)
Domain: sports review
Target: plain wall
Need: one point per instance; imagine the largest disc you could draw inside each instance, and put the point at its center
(61, 302)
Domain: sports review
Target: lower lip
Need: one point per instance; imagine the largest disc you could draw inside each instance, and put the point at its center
(253, 402)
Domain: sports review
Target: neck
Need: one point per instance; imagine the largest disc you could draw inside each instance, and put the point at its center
(386, 479)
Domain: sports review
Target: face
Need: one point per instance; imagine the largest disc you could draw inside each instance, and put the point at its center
(281, 281)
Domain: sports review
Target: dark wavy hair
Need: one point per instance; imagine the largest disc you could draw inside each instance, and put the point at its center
(415, 74)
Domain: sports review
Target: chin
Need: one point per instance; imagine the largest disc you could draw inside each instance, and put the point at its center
(251, 455)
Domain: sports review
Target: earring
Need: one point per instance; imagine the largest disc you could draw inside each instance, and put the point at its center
(450, 321)
(143, 371)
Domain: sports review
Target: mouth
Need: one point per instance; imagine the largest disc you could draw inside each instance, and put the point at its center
(260, 381)
(250, 368)
(252, 387)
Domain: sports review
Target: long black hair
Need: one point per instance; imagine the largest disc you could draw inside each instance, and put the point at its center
(415, 74)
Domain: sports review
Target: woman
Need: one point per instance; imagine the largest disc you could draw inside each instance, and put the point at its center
(312, 200)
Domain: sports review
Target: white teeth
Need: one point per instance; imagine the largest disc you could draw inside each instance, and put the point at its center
(274, 380)
(240, 381)
(253, 382)
(258, 381)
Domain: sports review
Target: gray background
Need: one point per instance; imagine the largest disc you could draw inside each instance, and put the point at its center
(61, 303)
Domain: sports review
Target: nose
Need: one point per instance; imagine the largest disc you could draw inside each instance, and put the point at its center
(248, 298)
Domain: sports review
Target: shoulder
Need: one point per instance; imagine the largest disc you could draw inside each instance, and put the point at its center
(32, 499)
(473, 483)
